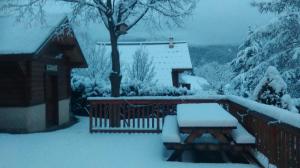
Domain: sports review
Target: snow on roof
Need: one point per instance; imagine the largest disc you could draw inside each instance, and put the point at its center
(23, 38)
(164, 58)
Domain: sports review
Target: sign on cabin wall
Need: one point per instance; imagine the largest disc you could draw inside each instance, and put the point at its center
(51, 68)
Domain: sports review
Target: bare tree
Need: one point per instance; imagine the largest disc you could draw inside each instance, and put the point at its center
(99, 64)
(142, 68)
(118, 16)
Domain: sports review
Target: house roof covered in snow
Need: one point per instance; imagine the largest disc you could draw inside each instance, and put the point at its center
(24, 39)
(164, 58)
(17, 37)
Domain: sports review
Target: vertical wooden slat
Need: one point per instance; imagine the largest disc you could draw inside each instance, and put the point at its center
(157, 119)
(284, 150)
(148, 115)
(153, 115)
(124, 112)
(100, 115)
(110, 115)
(143, 116)
(293, 150)
(95, 116)
(133, 117)
(272, 147)
(298, 149)
(118, 115)
(106, 115)
(91, 119)
(128, 115)
(138, 116)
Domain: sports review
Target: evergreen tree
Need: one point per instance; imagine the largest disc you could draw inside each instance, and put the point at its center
(276, 44)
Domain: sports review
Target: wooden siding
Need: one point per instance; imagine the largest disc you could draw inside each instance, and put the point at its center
(12, 83)
(64, 88)
(38, 73)
(37, 90)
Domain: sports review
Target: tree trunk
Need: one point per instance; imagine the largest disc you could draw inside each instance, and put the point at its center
(115, 76)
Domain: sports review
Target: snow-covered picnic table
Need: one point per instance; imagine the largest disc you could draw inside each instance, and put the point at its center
(196, 121)
(204, 115)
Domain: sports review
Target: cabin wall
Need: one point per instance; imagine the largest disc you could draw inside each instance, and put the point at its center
(23, 119)
(37, 89)
(13, 83)
(22, 95)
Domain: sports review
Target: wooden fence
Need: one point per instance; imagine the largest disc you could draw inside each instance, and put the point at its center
(278, 141)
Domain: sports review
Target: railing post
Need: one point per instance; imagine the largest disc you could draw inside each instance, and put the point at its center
(114, 116)
(91, 118)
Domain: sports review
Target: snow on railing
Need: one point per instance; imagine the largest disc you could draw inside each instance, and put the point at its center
(280, 115)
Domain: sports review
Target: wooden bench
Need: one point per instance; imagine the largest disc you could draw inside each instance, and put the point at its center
(241, 136)
(170, 131)
(244, 141)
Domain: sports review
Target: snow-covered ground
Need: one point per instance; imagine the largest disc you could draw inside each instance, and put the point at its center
(75, 147)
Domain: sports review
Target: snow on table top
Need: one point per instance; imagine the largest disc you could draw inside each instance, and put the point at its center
(242, 136)
(75, 147)
(22, 38)
(164, 58)
(170, 131)
(204, 115)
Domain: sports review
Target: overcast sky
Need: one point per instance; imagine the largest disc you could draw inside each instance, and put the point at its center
(214, 22)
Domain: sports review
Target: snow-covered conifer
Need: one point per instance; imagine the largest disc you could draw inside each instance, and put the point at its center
(276, 44)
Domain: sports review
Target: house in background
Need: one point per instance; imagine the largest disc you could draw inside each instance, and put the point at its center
(35, 67)
(169, 58)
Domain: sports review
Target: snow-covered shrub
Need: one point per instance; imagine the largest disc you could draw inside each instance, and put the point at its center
(288, 103)
(297, 104)
(83, 87)
(272, 90)
(142, 89)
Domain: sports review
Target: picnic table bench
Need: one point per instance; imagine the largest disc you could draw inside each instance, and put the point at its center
(204, 126)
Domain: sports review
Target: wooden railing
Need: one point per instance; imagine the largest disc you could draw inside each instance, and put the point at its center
(279, 141)
(133, 115)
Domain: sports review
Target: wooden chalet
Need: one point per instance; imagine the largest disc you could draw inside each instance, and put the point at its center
(35, 66)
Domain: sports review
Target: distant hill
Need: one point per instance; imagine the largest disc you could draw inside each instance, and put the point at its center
(201, 55)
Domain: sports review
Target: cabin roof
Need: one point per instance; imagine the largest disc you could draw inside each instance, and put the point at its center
(164, 59)
(19, 38)
(27, 38)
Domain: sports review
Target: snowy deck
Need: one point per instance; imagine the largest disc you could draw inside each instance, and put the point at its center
(76, 148)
